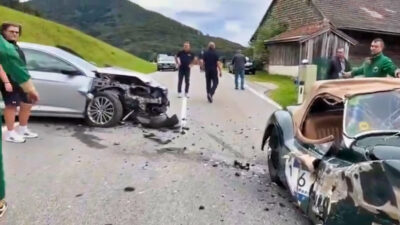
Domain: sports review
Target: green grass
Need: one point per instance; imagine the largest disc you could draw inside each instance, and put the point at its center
(285, 94)
(45, 32)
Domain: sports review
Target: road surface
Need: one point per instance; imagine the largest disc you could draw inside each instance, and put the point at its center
(74, 174)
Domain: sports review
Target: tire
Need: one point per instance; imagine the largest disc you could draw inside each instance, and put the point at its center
(110, 116)
(273, 157)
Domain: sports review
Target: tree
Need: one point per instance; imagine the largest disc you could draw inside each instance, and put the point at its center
(269, 30)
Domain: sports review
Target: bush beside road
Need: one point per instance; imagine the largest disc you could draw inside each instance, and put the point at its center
(285, 94)
(37, 30)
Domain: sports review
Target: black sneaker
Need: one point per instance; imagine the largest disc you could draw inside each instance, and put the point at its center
(209, 97)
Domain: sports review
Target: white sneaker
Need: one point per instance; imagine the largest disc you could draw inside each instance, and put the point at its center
(14, 137)
(26, 133)
(180, 95)
(187, 95)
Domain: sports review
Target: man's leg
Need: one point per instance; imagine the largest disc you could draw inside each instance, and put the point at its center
(180, 80)
(215, 82)
(208, 82)
(24, 113)
(9, 116)
(25, 108)
(236, 80)
(187, 81)
(242, 79)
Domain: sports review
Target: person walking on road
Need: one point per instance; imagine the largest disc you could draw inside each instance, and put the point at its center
(377, 65)
(213, 69)
(17, 97)
(184, 60)
(14, 77)
(239, 63)
(338, 65)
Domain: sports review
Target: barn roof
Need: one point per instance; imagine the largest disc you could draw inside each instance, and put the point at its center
(381, 16)
(307, 32)
(378, 16)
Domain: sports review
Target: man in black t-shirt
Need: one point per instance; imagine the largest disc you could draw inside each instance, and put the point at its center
(213, 68)
(184, 60)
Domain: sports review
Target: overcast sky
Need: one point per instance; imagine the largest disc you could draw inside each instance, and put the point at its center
(235, 20)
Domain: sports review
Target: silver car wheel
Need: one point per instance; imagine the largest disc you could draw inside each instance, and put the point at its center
(101, 110)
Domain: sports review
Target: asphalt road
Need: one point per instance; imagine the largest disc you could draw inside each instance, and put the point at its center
(74, 174)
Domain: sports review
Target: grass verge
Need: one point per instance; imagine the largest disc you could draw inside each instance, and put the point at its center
(285, 94)
(41, 31)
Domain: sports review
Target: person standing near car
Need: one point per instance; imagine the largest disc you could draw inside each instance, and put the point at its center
(12, 71)
(377, 65)
(23, 92)
(213, 69)
(239, 63)
(184, 60)
(338, 65)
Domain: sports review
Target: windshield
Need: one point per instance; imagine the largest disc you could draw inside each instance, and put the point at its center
(372, 112)
(167, 59)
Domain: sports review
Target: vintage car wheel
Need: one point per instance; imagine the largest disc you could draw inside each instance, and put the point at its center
(104, 110)
(273, 158)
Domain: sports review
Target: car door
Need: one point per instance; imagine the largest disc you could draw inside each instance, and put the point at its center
(62, 87)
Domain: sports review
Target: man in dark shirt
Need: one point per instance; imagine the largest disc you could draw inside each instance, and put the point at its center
(184, 60)
(338, 65)
(213, 68)
(239, 65)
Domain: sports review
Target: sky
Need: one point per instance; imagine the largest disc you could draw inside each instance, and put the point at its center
(235, 20)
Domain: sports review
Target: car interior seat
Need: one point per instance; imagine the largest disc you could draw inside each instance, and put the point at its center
(321, 125)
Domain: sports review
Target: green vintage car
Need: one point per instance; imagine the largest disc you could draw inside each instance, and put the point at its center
(338, 153)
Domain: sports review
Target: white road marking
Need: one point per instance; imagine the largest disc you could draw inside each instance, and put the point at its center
(183, 113)
(260, 95)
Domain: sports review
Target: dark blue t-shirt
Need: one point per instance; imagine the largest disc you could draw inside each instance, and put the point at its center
(210, 58)
(186, 59)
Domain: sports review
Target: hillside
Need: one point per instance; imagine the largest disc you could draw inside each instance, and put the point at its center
(128, 26)
(42, 31)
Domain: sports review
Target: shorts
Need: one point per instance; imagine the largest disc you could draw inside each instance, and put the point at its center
(15, 97)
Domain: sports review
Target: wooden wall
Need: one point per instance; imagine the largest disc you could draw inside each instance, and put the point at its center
(320, 47)
(286, 54)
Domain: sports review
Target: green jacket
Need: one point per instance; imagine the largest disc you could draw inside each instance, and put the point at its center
(12, 63)
(378, 66)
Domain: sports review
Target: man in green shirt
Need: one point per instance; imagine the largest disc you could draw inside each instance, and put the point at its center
(17, 74)
(377, 65)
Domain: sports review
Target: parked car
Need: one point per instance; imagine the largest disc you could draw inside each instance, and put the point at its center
(72, 87)
(339, 152)
(166, 63)
(249, 67)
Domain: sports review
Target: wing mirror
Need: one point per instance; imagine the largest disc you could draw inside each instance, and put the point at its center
(71, 72)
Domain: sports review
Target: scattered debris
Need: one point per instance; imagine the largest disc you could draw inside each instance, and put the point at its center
(116, 143)
(201, 207)
(78, 195)
(237, 174)
(129, 189)
(239, 165)
(266, 209)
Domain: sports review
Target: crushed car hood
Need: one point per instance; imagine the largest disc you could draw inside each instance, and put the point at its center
(128, 73)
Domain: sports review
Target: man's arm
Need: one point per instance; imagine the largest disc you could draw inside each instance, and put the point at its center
(358, 71)
(389, 67)
(219, 67)
(5, 80)
(177, 59)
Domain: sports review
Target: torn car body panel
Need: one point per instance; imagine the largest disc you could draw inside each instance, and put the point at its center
(353, 177)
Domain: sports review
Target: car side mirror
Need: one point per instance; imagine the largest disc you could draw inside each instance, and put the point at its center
(71, 72)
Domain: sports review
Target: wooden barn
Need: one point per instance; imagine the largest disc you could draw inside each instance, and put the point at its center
(317, 27)
(313, 42)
